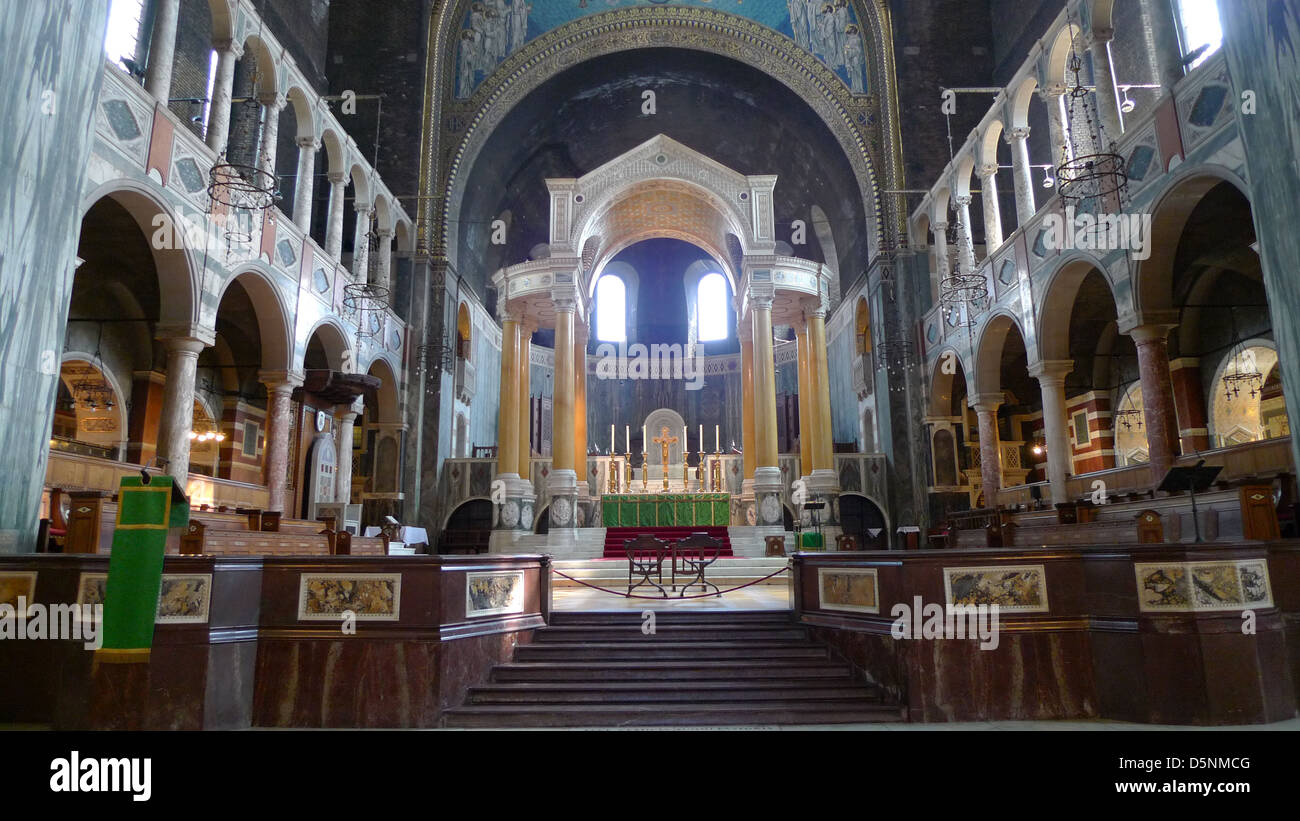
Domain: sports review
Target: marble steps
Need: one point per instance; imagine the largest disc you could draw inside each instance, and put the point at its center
(725, 714)
(751, 650)
(673, 632)
(617, 692)
(699, 668)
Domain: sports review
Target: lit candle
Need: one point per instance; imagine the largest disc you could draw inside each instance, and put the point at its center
(611, 440)
(627, 439)
(686, 441)
(645, 440)
(701, 438)
(717, 448)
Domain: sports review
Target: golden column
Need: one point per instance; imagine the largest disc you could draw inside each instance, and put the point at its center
(562, 416)
(819, 403)
(764, 385)
(807, 424)
(525, 398)
(747, 410)
(580, 403)
(508, 420)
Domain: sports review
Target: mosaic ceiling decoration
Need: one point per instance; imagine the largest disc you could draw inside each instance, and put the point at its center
(495, 29)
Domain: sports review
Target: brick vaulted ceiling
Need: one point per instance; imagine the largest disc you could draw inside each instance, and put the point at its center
(592, 113)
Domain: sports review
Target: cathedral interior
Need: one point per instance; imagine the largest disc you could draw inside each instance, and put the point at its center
(439, 341)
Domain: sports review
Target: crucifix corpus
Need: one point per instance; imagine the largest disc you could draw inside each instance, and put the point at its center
(663, 440)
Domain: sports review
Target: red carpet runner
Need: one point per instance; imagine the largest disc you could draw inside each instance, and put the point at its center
(616, 536)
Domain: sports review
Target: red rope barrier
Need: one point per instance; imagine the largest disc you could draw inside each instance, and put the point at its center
(666, 597)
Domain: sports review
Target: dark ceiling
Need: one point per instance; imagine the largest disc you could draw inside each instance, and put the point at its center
(591, 113)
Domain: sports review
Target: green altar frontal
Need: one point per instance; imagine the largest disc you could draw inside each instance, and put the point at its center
(666, 510)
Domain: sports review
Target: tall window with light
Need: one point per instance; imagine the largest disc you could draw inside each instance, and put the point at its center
(1201, 29)
(611, 310)
(712, 306)
(122, 40)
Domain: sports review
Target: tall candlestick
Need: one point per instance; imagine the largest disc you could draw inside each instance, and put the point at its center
(611, 440)
(701, 438)
(627, 439)
(717, 448)
(686, 444)
(645, 441)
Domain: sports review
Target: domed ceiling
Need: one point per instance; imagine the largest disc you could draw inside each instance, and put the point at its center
(593, 112)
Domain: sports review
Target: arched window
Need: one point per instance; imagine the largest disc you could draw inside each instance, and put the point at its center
(1201, 29)
(712, 308)
(611, 310)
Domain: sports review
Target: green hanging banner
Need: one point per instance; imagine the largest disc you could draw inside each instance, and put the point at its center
(145, 512)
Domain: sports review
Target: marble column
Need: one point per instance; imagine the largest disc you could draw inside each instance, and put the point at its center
(767, 473)
(1103, 75)
(305, 184)
(1018, 139)
(1161, 419)
(1189, 401)
(988, 175)
(580, 407)
(272, 106)
(1053, 97)
(162, 50)
(940, 232)
(508, 417)
(807, 426)
(986, 411)
(563, 481)
(177, 418)
(1051, 383)
(747, 442)
(384, 270)
(334, 229)
(344, 417)
(824, 481)
(228, 51)
(361, 243)
(526, 330)
(965, 238)
(279, 425)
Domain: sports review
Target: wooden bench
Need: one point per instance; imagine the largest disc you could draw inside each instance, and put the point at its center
(200, 539)
(1145, 527)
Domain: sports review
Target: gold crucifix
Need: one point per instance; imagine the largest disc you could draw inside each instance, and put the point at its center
(664, 440)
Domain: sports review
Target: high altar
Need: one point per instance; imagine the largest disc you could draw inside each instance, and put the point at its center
(666, 510)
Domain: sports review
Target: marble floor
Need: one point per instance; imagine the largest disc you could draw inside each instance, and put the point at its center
(756, 597)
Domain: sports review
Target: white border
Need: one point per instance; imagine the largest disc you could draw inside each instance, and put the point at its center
(471, 613)
(1044, 607)
(848, 571)
(304, 578)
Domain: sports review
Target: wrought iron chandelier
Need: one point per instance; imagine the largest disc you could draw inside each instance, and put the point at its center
(1131, 418)
(1092, 171)
(1243, 369)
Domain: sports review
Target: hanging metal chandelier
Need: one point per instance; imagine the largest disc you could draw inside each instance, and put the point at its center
(1243, 368)
(1093, 172)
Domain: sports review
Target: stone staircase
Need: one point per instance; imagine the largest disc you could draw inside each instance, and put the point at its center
(712, 668)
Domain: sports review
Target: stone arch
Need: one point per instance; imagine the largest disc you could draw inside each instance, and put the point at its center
(618, 30)
(965, 169)
(336, 153)
(386, 399)
(123, 400)
(268, 68)
(464, 332)
(631, 294)
(1102, 14)
(1153, 278)
(360, 183)
(942, 383)
(178, 269)
(988, 147)
(403, 237)
(299, 101)
(988, 352)
(273, 319)
(1058, 54)
(383, 213)
(334, 339)
(1060, 290)
(862, 326)
(223, 19)
(883, 510)
(1021, 98)
(464, 507)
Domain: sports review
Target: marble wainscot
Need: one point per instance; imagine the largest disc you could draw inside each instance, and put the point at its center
(1156, 633)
